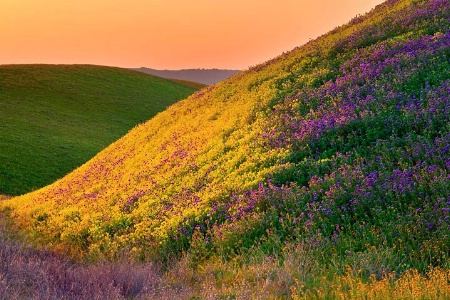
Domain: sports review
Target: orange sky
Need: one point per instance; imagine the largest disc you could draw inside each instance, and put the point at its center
(165, 34)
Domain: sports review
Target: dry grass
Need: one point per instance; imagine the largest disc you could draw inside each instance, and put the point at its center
(27, 273)
(257, 276)
(411, 285)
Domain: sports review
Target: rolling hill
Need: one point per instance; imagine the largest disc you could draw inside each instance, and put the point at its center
(323, 173)
(55, 118)
(204, 76)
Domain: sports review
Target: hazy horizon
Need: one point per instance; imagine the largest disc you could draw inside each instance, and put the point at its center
(159, 34)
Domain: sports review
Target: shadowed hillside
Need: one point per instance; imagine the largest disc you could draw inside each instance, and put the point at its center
(337, 152)
(55, 118)
(205, 76)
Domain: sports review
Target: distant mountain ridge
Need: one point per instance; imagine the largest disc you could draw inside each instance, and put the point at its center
(205, 76)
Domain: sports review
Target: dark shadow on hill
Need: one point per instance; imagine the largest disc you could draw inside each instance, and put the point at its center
(205, 76)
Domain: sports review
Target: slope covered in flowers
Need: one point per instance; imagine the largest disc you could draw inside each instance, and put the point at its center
(341, 145)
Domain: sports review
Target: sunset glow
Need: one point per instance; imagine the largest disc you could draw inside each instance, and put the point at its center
(165, 34)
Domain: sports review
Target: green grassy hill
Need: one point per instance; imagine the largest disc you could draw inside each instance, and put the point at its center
(323, 173)
(55, 118)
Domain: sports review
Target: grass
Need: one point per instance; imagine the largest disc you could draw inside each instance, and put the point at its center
(55, 118)
(30, 273)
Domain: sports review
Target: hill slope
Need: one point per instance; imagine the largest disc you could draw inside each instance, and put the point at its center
(55, 118)
(339, 147)
(205, 76)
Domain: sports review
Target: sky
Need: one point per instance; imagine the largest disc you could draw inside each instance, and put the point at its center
(165, 34)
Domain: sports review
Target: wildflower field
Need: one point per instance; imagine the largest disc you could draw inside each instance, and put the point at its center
(323, 173)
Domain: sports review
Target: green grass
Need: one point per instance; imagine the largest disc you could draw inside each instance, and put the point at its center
(55, 118)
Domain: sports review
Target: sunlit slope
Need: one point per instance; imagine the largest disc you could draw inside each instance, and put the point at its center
(55, 118)
(338, 141)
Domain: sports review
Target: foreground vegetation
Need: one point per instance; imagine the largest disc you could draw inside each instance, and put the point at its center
(55, 118)
(27, 273)
(321, 174)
